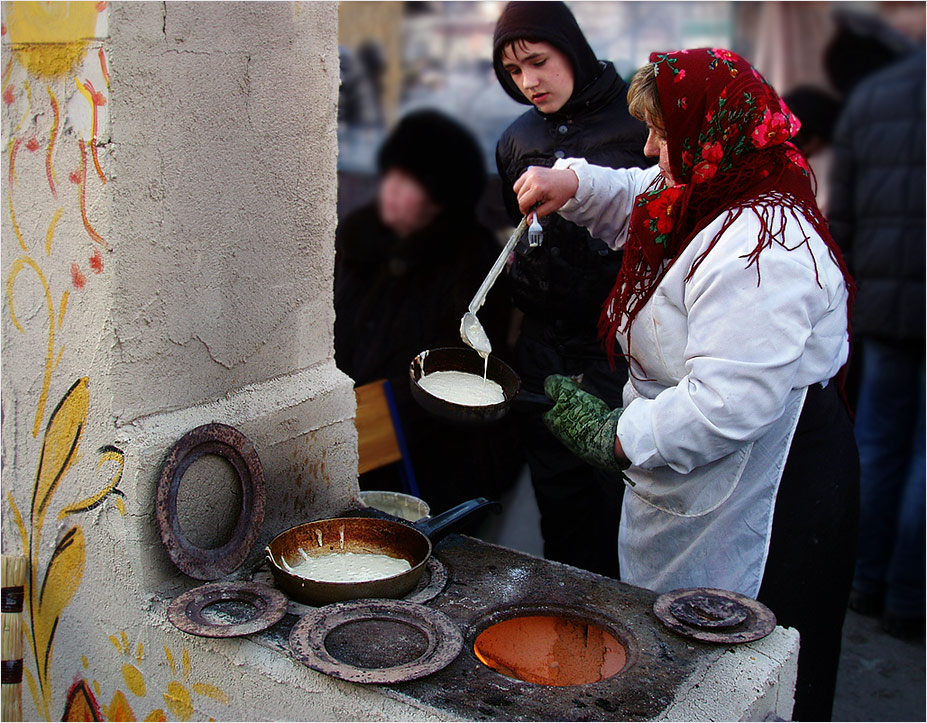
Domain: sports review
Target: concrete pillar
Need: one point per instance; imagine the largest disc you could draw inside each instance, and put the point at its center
(169, 209)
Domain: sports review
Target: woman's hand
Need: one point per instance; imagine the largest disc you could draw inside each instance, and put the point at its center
(546, 188)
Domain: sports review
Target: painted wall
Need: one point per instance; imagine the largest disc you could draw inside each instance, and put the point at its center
(168, 219)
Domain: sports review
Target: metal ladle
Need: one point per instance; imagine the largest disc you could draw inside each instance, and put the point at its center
(471, 330)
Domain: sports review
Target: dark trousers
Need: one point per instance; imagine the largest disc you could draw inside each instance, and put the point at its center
(580, 505)
(890, 433)
(809, 569)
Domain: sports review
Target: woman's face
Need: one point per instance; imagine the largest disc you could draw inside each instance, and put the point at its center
(542, 73)
(657, 147)
(405, 206)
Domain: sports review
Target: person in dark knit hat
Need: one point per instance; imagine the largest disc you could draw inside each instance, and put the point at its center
(441, 155)
(579, 108)
(406, 266)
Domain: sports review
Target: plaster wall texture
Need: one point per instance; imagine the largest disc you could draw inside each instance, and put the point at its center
(227, 130)
(168, 219)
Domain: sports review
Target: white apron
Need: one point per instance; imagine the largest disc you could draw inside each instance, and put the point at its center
(710, 527)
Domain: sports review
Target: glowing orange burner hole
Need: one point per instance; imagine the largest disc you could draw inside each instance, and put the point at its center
(550, 650)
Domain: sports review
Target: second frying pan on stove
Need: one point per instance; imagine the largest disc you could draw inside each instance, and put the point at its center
(413, 542)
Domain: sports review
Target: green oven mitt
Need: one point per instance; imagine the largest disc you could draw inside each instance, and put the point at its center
(583, 422)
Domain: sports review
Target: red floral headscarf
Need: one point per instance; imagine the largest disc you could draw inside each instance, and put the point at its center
(728, 132)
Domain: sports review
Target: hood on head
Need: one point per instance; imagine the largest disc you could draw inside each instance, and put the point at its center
(549, 22)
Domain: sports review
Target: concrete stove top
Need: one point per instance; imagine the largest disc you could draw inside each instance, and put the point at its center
(666, 677)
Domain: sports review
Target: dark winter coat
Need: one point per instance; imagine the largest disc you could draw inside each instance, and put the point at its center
(876, 205)
(568, 278)
(397, 297)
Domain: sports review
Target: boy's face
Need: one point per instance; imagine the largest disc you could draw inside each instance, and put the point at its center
(542, 73)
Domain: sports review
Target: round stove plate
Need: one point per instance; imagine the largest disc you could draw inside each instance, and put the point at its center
(186, 610)
(309, 638)
(219, 440)
(751, 620)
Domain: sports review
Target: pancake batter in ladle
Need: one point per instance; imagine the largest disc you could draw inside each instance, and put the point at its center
(461, 387)
(471, 331)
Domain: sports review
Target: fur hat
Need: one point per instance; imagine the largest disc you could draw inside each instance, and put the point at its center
(441, 154)
(549, 22)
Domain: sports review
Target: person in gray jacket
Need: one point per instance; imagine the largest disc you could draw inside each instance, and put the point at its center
(877, 216)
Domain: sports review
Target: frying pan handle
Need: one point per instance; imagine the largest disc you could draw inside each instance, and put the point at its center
(268, 553)
(525, 399)
(438, 527)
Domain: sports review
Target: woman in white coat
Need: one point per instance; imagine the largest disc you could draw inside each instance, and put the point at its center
(731, 308)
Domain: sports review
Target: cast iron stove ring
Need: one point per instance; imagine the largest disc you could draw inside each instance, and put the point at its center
(227, 442)
(186, 611)
(309, 639)
(714, 616)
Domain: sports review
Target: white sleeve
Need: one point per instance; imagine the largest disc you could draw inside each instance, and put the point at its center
(746, 346)
(604, 198)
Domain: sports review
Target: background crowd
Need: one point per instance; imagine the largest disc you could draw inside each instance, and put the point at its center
(860, 99)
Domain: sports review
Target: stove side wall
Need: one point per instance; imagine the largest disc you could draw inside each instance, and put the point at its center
(168, 220)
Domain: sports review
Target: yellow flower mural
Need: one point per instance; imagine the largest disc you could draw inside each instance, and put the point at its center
(54, 88)
(50, 38)
(49, 44)
(52, 584)
(50, 61)
(178, 697)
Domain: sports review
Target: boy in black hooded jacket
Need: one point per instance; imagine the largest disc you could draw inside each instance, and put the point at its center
(542, 59)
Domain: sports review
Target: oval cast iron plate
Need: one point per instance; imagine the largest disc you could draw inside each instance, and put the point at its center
(186, 610)
(308, 639)
(227, 442)
(752, 621)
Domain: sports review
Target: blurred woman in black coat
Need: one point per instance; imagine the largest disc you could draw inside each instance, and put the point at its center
(406, 267)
